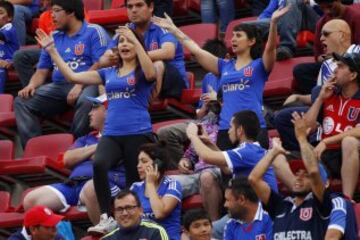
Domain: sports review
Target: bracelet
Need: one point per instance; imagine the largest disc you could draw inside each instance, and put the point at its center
(48, 45)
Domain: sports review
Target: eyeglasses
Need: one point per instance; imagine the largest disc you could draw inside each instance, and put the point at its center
(129, 209)
(327, 33)
(57, 10)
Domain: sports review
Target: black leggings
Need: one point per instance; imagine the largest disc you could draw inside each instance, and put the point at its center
(111, 151)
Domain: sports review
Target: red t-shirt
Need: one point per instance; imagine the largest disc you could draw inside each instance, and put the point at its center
(339, 114)
(351, 16)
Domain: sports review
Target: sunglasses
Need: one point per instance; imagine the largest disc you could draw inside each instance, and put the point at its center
(327, 33)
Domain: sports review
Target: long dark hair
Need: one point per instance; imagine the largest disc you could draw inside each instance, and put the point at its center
(252, 32)
(138, 70)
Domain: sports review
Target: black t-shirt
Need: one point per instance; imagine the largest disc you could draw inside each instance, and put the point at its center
(304, 222)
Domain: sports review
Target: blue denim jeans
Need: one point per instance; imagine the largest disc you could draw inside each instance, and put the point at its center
(300, 16)
(24, 61)
(225, 8)
(49, 100)
(22, 15)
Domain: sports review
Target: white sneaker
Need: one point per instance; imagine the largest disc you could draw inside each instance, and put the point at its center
(106, 225)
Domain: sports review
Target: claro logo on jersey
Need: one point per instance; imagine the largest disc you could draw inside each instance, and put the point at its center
(121, 94)
(230, 87)
(293, 235)
(73, 64)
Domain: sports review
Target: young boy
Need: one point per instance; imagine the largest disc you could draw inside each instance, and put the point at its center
(197, 224)
(8, 40)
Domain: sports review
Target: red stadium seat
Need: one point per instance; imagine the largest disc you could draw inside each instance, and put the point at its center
(117, 4)
(357, 213)
(303, 38)
(93, 4)
(281, 82)
(157, 126)
(194, 5)
(192, 202)
(10, 220)
(180, 8)
(39, 164)
(7, 115)
(5, 201)
(200, 33)
(48, 145)
(6, 150)
(109, 16)
(90, 238)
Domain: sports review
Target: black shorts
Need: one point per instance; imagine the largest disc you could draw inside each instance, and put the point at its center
(173, 83)
(332, 160)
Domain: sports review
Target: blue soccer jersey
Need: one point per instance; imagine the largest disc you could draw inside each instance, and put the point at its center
(10, 42)
(309, 220)
(259, 229)
(170, 188)
(209, 80)
(84, 169)
(79, 51)
(242, 160)
(242, 89)
(128, 100)
(342, 217)
(154, 38)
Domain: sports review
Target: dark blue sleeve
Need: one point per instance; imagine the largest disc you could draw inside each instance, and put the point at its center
(269, 10)
(221, 63)
(114, 42)
(6, 32)
(325, 206)
(45, 61)
(338, 214)
(167, 37)
(79, 143)
(99, 43)
(102, 73)
(274, 203)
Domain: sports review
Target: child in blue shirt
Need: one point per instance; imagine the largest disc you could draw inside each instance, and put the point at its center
(128, 87)
(8, 40)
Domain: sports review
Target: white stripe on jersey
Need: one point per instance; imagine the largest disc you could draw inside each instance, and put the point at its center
(101, 34)
(339, 204)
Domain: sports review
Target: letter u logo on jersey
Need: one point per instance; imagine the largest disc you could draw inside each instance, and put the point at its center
(79, 49)
(248, 71)
(306, 213)
(154, 45)
(353, 113)
(131, 81)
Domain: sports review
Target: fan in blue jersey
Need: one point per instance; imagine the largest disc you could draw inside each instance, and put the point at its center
(160, 196)
(127, 126)
(248, 219)
(78, 189)
(163, 48)
(242, 79)
(8, 40)
(80, 45)
(306, 215)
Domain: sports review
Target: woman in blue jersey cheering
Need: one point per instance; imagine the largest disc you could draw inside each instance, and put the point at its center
(243, 78)
(127, 126)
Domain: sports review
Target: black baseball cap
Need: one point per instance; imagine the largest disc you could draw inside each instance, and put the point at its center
(350, 59)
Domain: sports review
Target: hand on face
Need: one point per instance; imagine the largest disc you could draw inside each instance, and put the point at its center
(152, 174)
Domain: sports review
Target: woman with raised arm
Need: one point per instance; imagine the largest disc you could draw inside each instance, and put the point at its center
(127, 125)
(242, 79)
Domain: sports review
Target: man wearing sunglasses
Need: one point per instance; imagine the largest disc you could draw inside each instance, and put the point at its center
(336, 106)
(333, 9)
(128, 214)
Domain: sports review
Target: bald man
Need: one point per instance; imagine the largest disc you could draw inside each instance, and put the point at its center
(336, 38)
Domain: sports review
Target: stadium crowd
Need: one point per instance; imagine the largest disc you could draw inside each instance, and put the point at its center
(120, 167)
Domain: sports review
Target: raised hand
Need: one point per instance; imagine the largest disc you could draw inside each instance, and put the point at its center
(45, 41)
(302, 129)
(279, 13)
(277, 146)
(327, 89)
(165, 23)
(127, 33)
